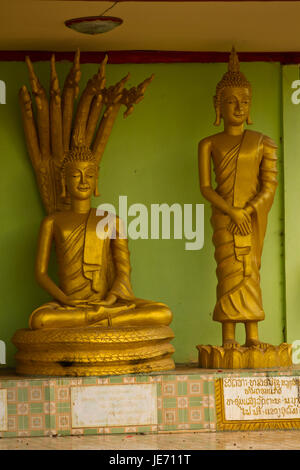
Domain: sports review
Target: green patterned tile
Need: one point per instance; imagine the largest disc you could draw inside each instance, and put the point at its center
(170, 427)
(61, 382)
(50, 422)
(22, 394)
(208, 388)
(90, 431)
(117, 430)
(195, 401)
(159, 416)
(63, 407)
(212, 415)
(65, 432)
(35, 383)
(37, 433)
(169, 402)
(142, 379)
(89, 381)
(195, 377)
(9, 383)
(36, 407)
(182, 388)
(207, 414)
(49, 393)
(196, 426)
(143, 429)
(10, 434)
(183, 415)
(169, 378)
(23, 423)
(158, 389)
(11, 409)
(116, 380)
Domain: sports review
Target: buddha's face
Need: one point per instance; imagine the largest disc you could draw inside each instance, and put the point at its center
(235, 105)
(81, 179)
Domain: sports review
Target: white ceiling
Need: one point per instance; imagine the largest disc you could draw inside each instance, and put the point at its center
(182, 26)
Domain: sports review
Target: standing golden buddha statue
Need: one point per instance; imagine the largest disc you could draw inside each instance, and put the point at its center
(94, 325)
(245, 168)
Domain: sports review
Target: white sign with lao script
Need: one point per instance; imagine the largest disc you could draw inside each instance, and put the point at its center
(261, 398)
(3, 410)
(114, 405)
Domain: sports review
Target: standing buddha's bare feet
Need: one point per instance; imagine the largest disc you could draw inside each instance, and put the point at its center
(255, 342)
(230, 343)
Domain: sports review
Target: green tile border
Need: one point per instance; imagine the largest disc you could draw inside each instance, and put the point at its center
(10, 434)
(183, 415)
(63, 432)
(120, 430)
(37, 433)
(89, 431)
(36, 408)
(169, 402)
(89, 381)
(50, 422)
(208, 387)
(116, 380)
(142, 379)
(49, 393)
(182, 388)
(169, 378)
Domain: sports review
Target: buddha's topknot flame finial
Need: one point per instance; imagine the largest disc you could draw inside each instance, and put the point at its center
(233, 64)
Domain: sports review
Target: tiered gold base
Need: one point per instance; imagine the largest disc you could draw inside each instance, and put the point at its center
(240, 357)
(93, 351)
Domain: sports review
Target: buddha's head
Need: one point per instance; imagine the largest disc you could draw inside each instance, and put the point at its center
(79, 174)
(233, 95)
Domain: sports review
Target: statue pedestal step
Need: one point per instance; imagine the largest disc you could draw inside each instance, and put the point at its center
(93, 351)
(240, 357)
(187, 399)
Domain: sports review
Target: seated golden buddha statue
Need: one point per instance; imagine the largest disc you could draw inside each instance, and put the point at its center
(94, 325)
(244, 163)
(94, 270)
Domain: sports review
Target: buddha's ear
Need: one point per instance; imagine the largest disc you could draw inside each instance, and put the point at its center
(249, 120)
(96, 191)
(63, 187)
(218, 112)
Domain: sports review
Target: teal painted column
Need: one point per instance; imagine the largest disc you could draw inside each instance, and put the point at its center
(291, 139)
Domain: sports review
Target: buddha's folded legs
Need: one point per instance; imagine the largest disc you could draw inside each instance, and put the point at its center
(124, 313)
(146, 313)
(53, 315)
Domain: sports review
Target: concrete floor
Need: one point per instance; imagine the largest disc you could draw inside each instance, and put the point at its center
(253, 440)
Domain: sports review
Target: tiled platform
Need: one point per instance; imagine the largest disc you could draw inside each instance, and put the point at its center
(251, 440)
(41, 406)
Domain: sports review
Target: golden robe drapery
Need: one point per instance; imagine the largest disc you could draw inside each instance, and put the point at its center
(245, 176)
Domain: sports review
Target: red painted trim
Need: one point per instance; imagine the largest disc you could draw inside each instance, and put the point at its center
(199, 1)
(151, 57)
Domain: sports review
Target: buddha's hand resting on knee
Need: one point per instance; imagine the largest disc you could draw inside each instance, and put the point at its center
(109, 300)
(70, 302)
(102, 312)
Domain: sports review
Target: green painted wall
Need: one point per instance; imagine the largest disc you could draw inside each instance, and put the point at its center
(152, 158)
(291, 126)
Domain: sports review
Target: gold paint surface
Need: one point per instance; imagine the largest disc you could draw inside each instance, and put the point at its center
(94, 268)
(238, 425)
(255, 357)
(244, 163)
